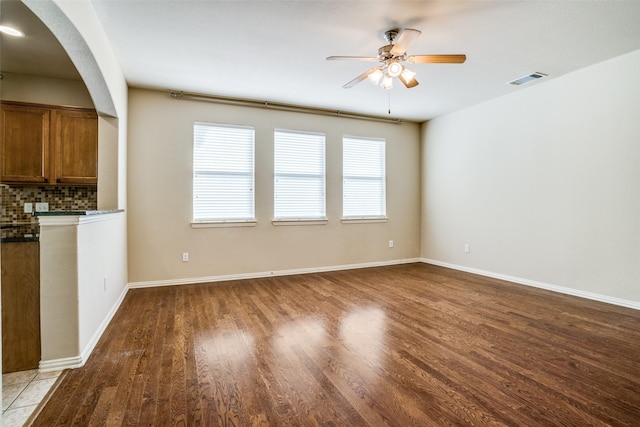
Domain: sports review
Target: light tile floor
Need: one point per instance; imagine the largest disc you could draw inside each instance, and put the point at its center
(21, 393)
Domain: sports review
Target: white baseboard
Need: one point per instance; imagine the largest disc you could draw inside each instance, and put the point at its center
(60, 364)
(262, 274)
(79, 361)
(535, 284)
(86, 352)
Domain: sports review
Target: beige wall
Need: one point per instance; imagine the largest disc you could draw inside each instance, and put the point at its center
(160, 196)
(108, 168)
(59, 328)
(43, 90)
(543, 183)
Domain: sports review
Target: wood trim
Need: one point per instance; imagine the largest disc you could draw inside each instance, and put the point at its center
(77, 180)
(46, 398)
(48, 106)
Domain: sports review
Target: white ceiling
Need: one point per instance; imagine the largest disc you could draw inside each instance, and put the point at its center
(275, 50)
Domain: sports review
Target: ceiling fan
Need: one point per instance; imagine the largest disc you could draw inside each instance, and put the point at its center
(391, 57)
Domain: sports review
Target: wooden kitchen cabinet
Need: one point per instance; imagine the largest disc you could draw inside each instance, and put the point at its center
(76, 147)
(25, 144)
(20, 306)
(48, 145)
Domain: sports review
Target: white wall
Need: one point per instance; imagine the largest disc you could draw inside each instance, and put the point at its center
(543, 184)
(81, 284)
(160, 196)
(101, 273)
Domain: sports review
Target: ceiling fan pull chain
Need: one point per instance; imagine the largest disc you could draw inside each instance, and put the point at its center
(389, 101)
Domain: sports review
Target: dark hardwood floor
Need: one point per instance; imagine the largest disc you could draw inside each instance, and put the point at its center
(400, 345)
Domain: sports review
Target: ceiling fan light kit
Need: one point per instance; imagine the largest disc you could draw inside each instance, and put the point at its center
(391, 56)
(376, 75)
(387, 82)
(394, 69)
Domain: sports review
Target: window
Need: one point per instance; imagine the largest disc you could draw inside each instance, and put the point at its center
(299, 175)
(363, 172)
(223, 172)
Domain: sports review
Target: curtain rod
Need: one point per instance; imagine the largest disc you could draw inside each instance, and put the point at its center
(281, 107)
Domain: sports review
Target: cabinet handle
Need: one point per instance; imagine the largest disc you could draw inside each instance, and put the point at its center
(57, 179)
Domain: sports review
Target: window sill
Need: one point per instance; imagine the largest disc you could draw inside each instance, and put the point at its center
(316, 221)
(364, 220)
(219, 224)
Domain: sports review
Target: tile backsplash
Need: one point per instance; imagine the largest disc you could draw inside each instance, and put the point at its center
(16, 223)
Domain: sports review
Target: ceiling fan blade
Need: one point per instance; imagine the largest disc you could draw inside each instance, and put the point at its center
(404, 40)
(408, 83)
(437, 59)
(352, 58)
(358, 79)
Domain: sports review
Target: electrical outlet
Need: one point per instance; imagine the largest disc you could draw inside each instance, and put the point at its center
(467, 248)
(104, 284)
(42, 207)
(185, 256)
(390, 243)
(28, 207)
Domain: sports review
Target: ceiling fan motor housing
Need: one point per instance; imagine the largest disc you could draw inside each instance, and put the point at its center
(384, 53)
(390, 35)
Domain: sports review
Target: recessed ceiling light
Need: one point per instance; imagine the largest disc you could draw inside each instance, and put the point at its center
(10, 31)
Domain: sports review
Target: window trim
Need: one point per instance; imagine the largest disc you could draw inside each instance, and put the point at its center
(363, 220)
(224, 223)
(302, 221)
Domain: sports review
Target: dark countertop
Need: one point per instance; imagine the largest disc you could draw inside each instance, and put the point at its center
(19, 239)
(71, 213)
(19, 232)
(29, 232)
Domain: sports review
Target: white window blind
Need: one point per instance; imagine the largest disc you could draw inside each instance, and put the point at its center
(299, 175)
(363, 192)
(223, 172)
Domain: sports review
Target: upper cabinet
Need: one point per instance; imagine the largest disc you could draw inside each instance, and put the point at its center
(47, 145)
(25, 144)
(76, 147)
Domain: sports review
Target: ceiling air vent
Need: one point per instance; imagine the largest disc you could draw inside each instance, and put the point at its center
(526, 79)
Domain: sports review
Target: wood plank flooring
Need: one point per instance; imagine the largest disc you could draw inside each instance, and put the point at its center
(401, 345)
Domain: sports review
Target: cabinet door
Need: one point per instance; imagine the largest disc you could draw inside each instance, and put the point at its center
(24, 147)
(76, 147)
(20, 306)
